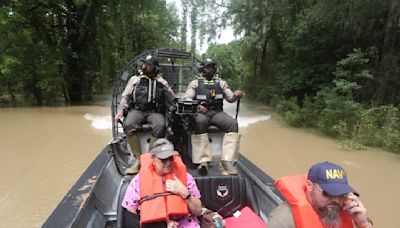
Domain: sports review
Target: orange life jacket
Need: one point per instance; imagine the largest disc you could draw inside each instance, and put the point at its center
(160, 208)
(293, 189)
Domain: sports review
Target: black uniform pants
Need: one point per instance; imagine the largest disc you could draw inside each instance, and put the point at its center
(220, 119)
(134, 119)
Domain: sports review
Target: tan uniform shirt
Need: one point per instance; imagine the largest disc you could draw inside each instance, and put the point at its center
(191, 90)
(130, 86)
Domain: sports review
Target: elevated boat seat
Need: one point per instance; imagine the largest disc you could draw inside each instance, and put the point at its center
(144, 134)
(146, 127)
(213, 129)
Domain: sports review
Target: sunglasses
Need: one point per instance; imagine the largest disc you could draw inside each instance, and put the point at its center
(324, 193)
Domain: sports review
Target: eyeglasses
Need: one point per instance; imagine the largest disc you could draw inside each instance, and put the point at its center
(165, 160)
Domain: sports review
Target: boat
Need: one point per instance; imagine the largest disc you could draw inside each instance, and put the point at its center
(95, 199)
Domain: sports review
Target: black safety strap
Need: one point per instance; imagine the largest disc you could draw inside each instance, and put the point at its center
(153, 196)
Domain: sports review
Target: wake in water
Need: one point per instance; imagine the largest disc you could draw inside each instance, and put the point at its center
(99, 122)
(104, 122)
(247, 120)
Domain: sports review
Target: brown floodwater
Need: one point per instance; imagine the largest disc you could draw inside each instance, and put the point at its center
(44, 151)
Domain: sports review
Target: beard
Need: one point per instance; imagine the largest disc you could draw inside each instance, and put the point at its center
(330, 215)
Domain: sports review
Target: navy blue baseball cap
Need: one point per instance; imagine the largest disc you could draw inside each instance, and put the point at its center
(331, 178)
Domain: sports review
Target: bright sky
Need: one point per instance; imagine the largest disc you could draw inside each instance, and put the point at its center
(226, 34)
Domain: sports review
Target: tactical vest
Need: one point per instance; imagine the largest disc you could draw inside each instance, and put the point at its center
(148, 95)
(210, 92)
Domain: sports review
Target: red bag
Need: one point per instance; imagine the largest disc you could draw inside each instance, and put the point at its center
(247, 219)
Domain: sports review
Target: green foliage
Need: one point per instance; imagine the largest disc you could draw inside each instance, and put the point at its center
(291, 111)
(68, 50)
(227, 59)
(325, 64)
(334, 112)
(339, 114)
(379, 127)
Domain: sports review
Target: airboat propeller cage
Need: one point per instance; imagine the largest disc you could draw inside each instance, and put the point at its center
(172, 62)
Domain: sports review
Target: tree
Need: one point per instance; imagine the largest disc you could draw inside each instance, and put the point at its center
(68, 50)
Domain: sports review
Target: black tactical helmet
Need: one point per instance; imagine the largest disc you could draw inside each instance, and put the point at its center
(151, 59)
(208, 62)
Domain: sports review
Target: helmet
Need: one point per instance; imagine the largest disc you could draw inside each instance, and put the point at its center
(208, 62)
(152, 60)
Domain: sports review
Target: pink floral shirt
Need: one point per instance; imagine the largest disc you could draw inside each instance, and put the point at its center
(132, 198)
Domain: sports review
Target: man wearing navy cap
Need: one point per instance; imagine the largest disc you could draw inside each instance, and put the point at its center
(323, 198)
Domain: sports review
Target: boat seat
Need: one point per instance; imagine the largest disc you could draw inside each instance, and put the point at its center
(145, 136)
(146, 127)
(124, 217)
(213, 129)
(223, 194)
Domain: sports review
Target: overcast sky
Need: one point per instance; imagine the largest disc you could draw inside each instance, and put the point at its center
(226, 34)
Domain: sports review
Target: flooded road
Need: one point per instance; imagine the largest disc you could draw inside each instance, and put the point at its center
(45, 150)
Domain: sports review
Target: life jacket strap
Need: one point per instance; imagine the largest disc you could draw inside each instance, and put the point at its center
(155, 195)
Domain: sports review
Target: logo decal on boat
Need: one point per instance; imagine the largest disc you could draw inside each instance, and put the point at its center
(222, 191)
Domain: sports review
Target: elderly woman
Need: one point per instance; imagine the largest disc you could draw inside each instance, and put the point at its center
(163, 192)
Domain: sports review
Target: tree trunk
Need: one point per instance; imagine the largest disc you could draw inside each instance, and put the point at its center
(255, 67)
(264, 54)
(387, 82)
(11, 91)
(78, 24)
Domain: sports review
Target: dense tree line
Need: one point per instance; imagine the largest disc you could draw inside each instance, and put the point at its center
(64, 51)
(332, 65)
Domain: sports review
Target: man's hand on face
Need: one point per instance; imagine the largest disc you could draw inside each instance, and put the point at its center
(354, 207)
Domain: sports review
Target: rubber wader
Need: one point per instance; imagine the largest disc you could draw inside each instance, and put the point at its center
(230, 152)
(134, 143)
(201, 154)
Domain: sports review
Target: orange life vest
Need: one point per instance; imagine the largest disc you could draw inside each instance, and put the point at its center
(160, 208)
(293, 189)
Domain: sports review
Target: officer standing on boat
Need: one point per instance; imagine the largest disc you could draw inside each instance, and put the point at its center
(144, 100)
(210, 91)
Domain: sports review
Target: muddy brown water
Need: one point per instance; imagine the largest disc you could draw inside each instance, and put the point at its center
(44, 151)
